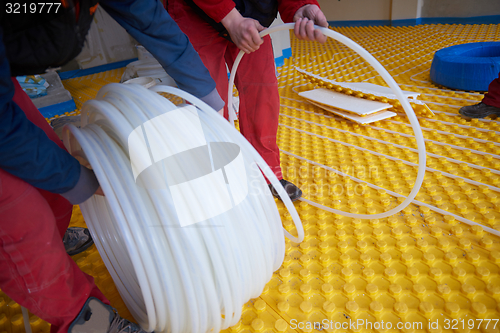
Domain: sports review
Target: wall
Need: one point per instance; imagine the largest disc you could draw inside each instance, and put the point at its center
(396, 12)
(406, 9)
(460, 8)
(355, 10)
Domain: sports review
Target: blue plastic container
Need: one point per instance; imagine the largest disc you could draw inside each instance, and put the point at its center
(468, 67)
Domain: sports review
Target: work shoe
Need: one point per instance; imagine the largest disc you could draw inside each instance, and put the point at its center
(293, 191)
(77, 240)
(97, 317)
(480, 110)
(58, 123)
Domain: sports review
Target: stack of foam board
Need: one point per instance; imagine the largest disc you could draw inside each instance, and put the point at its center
(360, 110)
(372, 92)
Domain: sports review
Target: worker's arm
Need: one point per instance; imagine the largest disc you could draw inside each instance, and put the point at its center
(26, 151)
(244, 31)
(150, 24)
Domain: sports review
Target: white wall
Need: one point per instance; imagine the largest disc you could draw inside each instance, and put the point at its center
(406, 9)
(376, 10)
(355, 10)
(460, 8)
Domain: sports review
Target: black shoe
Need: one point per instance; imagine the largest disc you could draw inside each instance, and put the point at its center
(97, 317)
(480, 110)
(293, 191)
(77, 240)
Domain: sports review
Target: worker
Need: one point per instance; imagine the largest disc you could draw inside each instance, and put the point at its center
(39, 180)
(490, 105)
(218, 30)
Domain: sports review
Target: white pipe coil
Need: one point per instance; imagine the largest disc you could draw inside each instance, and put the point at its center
(392, 84)
(172, 278)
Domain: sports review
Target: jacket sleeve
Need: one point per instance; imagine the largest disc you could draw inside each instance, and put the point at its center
(27, 153)
(287, 8)
(150, 24)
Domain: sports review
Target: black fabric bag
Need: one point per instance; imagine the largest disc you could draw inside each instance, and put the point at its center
(35, 42)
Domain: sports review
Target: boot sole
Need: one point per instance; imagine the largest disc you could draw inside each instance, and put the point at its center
(292, 198)
(466, 117)
(82, 248)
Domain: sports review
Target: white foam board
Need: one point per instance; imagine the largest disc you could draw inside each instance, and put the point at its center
(374, 89)
(344, 102)
(360, 120)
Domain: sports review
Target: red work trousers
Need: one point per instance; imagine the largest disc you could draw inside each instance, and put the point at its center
(35, 270)
(492, 98)
(255, 79)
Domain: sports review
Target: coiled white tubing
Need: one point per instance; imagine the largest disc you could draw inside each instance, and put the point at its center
(172, 278)
(390, 82)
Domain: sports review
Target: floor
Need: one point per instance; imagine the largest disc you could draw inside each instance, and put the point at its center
(425, 269)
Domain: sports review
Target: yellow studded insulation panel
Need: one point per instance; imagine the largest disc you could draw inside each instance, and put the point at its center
(425, 269)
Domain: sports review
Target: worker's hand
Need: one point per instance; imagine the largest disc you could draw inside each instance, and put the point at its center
(305, 18)
(99, 191)
(221, 112)
(244, 31)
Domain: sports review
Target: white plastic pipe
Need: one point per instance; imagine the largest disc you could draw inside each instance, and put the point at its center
(26, 319)
(392, 84)
(173, 278)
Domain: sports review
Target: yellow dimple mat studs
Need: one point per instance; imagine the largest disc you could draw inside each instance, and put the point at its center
(417, 271)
